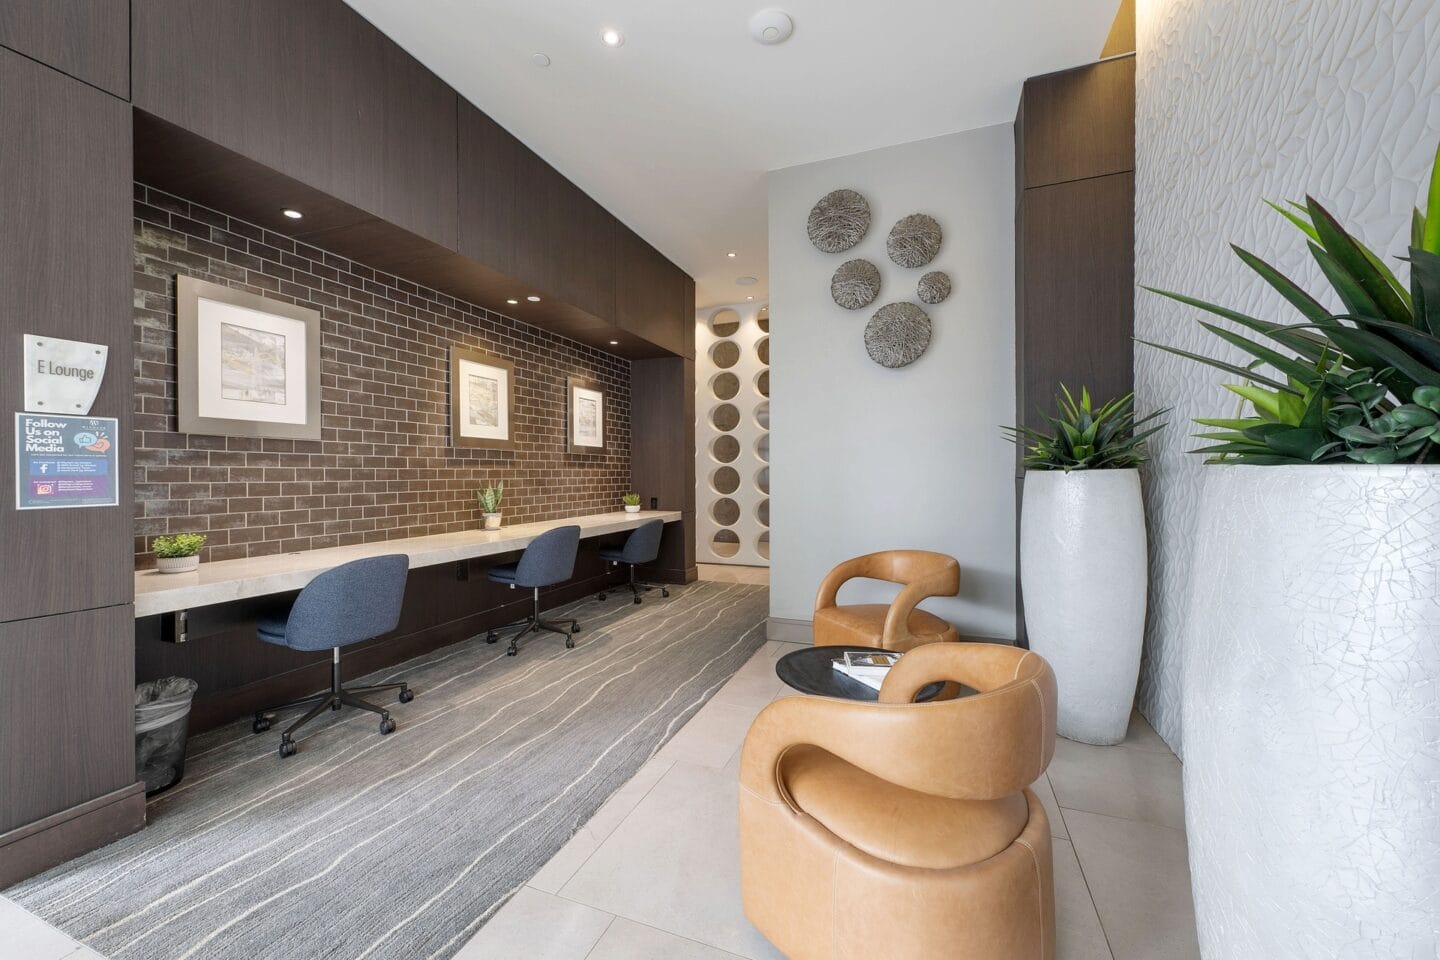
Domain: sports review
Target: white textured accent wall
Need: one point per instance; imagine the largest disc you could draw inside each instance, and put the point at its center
(1239, 100)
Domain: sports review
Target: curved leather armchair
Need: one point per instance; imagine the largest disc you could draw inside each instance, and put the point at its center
(900, 829)
(898, 626)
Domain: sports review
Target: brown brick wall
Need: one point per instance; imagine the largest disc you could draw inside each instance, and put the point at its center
(384, 467)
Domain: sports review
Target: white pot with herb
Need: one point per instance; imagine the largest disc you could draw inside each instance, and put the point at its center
(1083, 562)
(178, 552)
(489, 497)
(632, 502)
(1311, 651)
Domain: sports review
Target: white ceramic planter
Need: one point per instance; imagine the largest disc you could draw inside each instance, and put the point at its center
(1311, 697)
(632, 509)
(491, 521)
(1083, 576)
(177, 564)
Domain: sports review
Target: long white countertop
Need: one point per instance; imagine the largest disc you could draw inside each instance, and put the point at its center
(227, 580)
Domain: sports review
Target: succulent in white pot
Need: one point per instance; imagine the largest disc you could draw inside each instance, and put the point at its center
(1310, 681)
(632, 502)
(1083, 560)
(178, 552)
(489, 497)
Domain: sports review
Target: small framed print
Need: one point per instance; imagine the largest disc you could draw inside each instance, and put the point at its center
(586, 408)
(482, 393)
(245, 366)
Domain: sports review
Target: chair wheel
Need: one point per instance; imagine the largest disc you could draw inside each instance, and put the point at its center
(637, 599)
(491, 638)
(260, 724)
(287, 748)
(570, 643)
(600, 597)
(335, 704)
(386, 726)
(406, 696)
(511, 652)
(664, 592)
(574, 628)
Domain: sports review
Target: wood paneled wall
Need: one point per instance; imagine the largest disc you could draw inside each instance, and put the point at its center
(1074, 240)
(86, 39)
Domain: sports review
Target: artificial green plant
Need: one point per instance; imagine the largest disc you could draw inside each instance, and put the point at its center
(1083, 438)
(490, 496)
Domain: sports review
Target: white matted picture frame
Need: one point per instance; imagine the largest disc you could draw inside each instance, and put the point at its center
(482, 398)
(585, 415)
(246, 366)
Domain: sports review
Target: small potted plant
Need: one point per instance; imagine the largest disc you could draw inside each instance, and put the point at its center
(489, 497)
(1083, 558)
(178, 552)
(632, 502)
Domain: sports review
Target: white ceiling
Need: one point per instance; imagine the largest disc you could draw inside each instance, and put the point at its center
(673, 131)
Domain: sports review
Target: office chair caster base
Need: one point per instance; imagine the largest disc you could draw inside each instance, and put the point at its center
(637, 599)
(406, 696)
(334, 704)
(491, 638)
(387, 726)
(261, 723)
(569, 643)
(287, 747)
(600, 596)
(664, 592)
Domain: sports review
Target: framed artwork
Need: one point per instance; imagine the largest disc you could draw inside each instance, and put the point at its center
(586, 418)
(245, 366)
(482, 393)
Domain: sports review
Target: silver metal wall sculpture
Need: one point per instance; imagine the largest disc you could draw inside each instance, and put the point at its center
(838, 221)
(897, 334)
(914, 240)
(856, 284)
(934, 287)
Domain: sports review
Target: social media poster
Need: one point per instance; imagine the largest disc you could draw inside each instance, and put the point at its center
(65, 461)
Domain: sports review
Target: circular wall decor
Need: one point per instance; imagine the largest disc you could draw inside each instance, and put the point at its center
(934, 287)
(762, 383)
(726, 543)
(725, 322)
(856, 284)
(762, 350)
(725, 480)
(897, 335)
(764, 319)
(914, 240)
(725, 385)
(726, 354)
(725, 511)
(725, 448)
(838, 221)
(725, 417)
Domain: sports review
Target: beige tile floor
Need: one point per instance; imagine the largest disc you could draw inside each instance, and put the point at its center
(655, 874)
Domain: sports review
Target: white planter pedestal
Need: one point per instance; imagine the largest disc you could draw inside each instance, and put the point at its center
(1311, 708)
(1083, 575)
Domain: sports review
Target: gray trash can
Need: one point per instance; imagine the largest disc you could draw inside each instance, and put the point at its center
(162, 722)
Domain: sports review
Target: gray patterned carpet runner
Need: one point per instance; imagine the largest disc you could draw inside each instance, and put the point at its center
(362, 846)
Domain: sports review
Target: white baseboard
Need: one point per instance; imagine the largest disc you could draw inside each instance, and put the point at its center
(788, 631)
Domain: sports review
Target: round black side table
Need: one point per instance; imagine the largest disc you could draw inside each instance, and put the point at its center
(812, 671)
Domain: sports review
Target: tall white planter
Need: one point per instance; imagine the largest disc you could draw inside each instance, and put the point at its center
(1083, 576)
(1311, 697)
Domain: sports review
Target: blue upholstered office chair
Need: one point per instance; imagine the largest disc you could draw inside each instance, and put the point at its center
(642, 546)
(550, 559)
(351, 603)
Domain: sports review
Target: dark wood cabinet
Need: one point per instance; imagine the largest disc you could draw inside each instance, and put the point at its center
(310, 90)
(87, 39)
(65, 256)
(654, 299)
(520, 216)
(1074, 241)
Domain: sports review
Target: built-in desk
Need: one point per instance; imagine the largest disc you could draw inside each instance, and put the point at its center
(228, 580)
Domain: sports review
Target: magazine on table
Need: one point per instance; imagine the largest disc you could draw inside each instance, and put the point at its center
(869, 667)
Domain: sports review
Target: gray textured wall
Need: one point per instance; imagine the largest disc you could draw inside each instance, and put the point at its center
(1239, 100)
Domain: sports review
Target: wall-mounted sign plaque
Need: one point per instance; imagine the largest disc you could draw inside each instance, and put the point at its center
(65, 461)
(62, 376)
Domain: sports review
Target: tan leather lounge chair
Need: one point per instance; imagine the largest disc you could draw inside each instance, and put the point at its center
(898, 626)
(905, 831)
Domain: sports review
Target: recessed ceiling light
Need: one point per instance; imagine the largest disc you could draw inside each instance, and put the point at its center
(749, 298)
(292, 213)
(533, 299)
(731, 254)
(512, 302)
(612, 37)
(539, 59)
(746, 281)
(614, 343)
(771, 26)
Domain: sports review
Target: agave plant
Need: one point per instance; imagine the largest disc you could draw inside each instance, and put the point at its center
(1084, 438)
(1357, 384)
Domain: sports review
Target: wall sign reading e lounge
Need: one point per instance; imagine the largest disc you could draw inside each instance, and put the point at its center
(62, 376)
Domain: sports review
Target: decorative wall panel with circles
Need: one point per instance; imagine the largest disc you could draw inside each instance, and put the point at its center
(732, 386)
